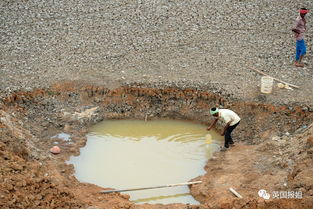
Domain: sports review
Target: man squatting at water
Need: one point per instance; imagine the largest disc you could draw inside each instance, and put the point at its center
(230, 118)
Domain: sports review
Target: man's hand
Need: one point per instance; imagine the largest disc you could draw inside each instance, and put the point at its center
(212, 124)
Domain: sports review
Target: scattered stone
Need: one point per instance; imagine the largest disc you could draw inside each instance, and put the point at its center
(309, 142)
(281, 85)
(85, 114)
(310, 152)
(305, 109)
(275, 138)
(55, 150)
(67, 128)
(304, 126)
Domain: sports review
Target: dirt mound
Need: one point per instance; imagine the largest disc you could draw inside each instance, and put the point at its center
(26, 184)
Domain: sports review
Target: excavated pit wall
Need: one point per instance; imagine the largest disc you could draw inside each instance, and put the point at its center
(30, 119)
(64, 105)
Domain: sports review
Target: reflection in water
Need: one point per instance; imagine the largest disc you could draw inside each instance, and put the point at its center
(130, 153)
(144, 200)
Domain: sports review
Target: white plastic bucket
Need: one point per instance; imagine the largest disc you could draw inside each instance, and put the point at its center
(266, 84)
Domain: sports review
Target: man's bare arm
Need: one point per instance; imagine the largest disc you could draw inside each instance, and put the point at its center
(227, 125)
(212, 124)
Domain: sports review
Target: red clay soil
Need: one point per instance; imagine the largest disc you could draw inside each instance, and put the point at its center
(26, 184)
(31, 177)
(247, 170)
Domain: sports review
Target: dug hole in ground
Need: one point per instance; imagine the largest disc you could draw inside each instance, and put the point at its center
(273, 149)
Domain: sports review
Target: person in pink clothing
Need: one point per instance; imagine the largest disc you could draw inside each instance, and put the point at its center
(298, 29)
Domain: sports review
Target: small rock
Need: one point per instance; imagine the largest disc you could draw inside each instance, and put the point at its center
(125, 196)
(305, 109)
(275, 138)
(55, 150)
(310, 152)
(309, 142)
(67, 128)
(280, 85)
(303, 190)
(304, 126)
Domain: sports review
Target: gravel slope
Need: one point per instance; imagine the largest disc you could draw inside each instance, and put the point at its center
(193, 43)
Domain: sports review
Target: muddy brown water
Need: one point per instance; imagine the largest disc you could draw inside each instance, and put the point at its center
(124, 154)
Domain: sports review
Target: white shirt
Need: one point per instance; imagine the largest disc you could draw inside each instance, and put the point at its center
(228, 116)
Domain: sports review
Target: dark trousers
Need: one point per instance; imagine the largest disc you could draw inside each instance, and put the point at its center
(228, 139)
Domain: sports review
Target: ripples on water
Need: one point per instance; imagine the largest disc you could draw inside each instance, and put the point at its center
(125, 154)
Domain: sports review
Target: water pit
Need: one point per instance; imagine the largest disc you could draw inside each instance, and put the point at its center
(32, 122)
(125, 154)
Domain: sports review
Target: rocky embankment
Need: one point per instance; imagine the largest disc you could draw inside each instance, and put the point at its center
(187, 43)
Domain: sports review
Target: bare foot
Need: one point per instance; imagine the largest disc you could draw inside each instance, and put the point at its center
(297, 64)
